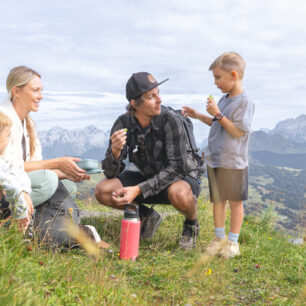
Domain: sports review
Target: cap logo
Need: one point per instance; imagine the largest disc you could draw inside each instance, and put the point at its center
(151, 79)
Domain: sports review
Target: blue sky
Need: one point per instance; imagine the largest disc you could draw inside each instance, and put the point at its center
(93, 46)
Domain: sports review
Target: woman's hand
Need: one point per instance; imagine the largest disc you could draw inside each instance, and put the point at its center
(85, 177)
(61, 176)
(68, 166)
(27, 198)
(23, 224)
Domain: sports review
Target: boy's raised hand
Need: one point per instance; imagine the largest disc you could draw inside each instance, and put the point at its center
(212, 107)
(190, 112)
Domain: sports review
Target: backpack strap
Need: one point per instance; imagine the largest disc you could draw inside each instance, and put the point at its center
(188, 127)
(191, 145)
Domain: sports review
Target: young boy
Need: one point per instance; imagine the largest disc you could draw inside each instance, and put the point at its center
(227, 151)
(15, 185)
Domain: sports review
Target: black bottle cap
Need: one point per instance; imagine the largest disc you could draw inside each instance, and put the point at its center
(131, 211)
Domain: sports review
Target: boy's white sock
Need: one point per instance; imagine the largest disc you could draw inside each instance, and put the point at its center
(220, 232)
(233, 237)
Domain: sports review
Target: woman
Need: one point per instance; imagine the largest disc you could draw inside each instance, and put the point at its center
(24, 150)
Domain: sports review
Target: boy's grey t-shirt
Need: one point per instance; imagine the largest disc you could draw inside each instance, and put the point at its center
(224, 150)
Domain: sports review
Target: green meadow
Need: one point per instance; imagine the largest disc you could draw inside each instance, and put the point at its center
(269, 271)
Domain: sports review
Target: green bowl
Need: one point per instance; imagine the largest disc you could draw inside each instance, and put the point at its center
(90, 165)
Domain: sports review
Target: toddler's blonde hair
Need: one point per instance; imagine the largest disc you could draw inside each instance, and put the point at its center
(5, 122)
(229, 61)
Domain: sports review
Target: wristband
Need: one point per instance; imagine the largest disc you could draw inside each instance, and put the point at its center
(218, 117)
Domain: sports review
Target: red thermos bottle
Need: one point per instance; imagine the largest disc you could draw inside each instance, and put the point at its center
(130, 232)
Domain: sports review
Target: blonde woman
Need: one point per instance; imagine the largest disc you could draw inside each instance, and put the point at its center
(24, 89)
(24, 152)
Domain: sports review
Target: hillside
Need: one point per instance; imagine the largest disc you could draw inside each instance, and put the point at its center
(269, 271)
(296, 161)
(262, 141)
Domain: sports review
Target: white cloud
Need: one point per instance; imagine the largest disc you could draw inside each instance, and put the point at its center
(94, 46)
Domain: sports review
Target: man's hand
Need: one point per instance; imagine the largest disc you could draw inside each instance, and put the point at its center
(118, 140)
(126, 195)
(212, 107)
(29, 203)
(190, 112)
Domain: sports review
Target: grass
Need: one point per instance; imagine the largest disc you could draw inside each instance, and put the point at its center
(270, 270)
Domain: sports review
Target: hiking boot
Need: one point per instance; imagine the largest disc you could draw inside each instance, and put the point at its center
(230, 249)
(189, 236)
(214, 247)
(149, 224)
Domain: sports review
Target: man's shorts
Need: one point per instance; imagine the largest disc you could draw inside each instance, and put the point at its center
(133, 178)
(227, 184)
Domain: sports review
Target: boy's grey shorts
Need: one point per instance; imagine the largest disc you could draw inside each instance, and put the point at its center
(227, 184)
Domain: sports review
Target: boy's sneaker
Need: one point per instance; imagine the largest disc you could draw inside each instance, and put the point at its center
(92, 233)
(189, 236)
(214, 247)
(149, 224)
(230, 249)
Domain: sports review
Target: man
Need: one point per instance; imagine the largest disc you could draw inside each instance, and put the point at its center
(155, 141)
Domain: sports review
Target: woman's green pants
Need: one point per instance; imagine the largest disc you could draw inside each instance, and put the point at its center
(44, 184)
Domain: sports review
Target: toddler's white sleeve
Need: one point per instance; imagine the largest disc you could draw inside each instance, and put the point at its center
(12, 191)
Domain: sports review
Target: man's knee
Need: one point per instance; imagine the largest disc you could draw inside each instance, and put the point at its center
(181, 192)
(99, 191)
(105, 188)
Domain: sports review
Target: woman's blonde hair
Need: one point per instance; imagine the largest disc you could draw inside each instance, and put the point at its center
(5, 122)
(19, 77)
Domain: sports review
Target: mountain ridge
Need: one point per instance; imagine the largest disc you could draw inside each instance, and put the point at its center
(92, 142)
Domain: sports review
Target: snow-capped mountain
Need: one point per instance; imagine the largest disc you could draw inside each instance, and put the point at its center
(293, 129)
(289, 136)
(89, 142)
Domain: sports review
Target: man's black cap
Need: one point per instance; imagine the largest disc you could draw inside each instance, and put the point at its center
(139, 83)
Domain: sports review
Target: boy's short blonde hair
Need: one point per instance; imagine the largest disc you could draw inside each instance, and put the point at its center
(5, 122)
(229, 61)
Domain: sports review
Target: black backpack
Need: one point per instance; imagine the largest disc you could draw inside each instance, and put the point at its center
(191, 146)
(188, 127)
